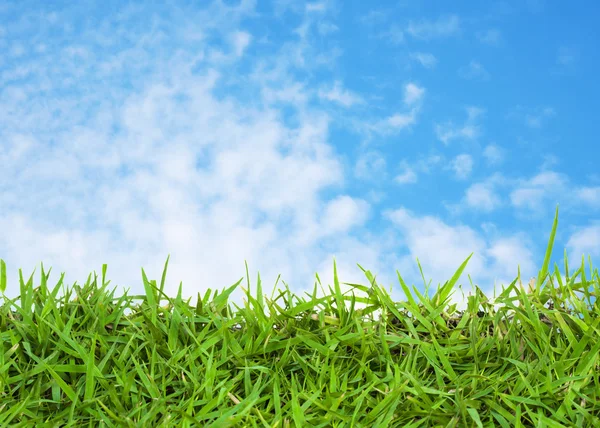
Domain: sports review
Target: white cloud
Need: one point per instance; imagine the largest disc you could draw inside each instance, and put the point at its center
(474, 112)
(240, 41)
(474, 71)
(428, 163)
(548, 179)
(532, 117)
(394, 35)
(441, 248)
(549, 161)
(412, 94)
(283, 6)
(316, 7)
(531, 193)
(293, 93)
(462, 165)
(343, 213)
(327, 28)
(396, 122)
(566, 56)
(339, 95)
(584, 242)
(400, 121)
(536, 6)
(481, 196)
(301, 54)
(491, 36)
(17, 73)
(589, 195)
(370, 165)
(391, 125)
(510, 253)
(535, 120)
(530, 198)
(448, 131)
(17, 50)
(303, 29)
(427, 60)
(406, 177)
(373, 17)
(443, 27)
(18, 146)
(493, 154)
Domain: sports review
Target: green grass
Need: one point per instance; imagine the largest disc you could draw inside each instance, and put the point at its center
(287, 361)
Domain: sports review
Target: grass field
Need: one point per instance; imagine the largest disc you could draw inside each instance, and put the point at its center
(289, 361)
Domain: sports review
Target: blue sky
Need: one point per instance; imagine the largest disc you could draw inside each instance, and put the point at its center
(286, 133)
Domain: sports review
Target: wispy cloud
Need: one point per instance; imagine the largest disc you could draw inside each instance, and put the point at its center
(427, 60)
(491, 37)
(549, 161)
(531, 193)
(448, 131)
(566, 56)
(399, 121)
(344, 213)
(374, 16)
(413, 94)
(589, 195)
(407, 175)
(316, 7)
(428, 163)
(370, 166)
(493, 154)
(535, 6)
(462, 166)
(339, 95)
(442, 27)
(482, 197)
(530, 196)
(394, 35)
(535, 120)
(326, 28)
(452, 244)
(422, 29)
(240, 41)
(533, 117)
(474, 71)
(567, 60)
(584, 242)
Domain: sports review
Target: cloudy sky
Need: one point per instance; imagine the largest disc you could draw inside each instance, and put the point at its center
(285, 133)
